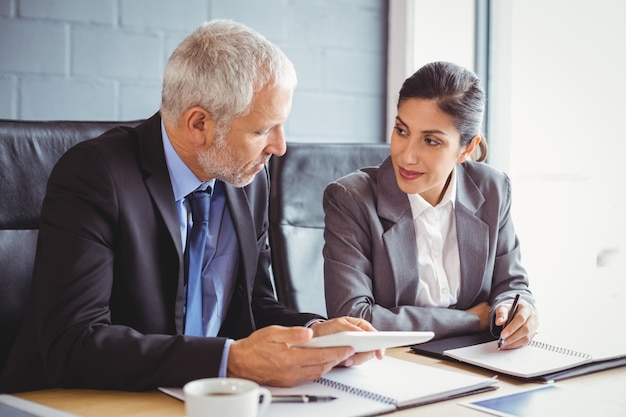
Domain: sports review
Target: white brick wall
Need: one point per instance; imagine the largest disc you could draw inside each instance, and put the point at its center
(81, 11)
(104, 59)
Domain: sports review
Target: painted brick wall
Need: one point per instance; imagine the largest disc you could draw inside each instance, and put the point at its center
(104, 59)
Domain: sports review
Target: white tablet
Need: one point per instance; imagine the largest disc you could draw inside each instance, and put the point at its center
(368, 341)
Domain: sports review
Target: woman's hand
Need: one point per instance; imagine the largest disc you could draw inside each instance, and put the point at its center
(521, 330)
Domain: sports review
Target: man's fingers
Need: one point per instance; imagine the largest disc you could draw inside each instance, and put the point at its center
(361, 358)
(311, 364)
(315, 356)
(360, 324)
(342, 324)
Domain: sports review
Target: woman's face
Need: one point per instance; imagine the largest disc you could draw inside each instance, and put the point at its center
(425, 146)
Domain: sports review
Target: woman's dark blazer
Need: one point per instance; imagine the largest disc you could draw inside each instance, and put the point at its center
(370, 251)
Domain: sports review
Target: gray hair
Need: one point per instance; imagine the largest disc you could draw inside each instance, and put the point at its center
(220, 67)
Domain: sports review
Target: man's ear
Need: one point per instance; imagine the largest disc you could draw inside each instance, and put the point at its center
(469, 149)
(199, 125)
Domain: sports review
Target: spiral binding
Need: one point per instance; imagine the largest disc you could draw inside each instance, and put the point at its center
(557, 349)
(356, 391)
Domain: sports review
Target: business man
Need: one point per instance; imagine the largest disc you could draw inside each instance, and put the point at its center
(115, 303)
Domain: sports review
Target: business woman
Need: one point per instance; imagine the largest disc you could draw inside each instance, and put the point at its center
(425, 240)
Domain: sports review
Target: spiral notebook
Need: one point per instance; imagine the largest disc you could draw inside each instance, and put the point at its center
(533, 360)
(373, 388)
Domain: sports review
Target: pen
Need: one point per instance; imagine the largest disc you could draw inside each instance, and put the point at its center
(301, 398)
(512, 312)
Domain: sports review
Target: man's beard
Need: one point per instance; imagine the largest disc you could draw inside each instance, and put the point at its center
(220, 162)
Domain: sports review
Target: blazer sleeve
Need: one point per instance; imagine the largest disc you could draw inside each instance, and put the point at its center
(509, 277)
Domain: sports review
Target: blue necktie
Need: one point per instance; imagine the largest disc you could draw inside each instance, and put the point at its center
(194, 253)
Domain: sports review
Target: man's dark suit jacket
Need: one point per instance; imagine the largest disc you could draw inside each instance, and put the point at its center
(106, 307)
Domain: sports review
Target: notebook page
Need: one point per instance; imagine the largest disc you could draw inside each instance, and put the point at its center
(528, 361)
(407, 382)
(600, 345)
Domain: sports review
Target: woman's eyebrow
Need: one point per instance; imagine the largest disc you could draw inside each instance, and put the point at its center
(398, 119)
(435, 131)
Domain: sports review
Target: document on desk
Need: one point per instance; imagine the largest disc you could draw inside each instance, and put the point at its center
(548, 358)
(550, 400)
(376, 387)
(11, 406)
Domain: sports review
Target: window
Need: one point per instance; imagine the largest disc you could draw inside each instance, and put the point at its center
(556, 98)
(422, 31)
(558, 93)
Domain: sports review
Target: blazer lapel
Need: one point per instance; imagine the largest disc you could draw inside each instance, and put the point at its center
(157, 178)
(159, 185)
(244, 227)
(472, 235)
(399, 236)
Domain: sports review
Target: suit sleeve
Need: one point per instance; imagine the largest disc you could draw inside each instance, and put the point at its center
(509, 276)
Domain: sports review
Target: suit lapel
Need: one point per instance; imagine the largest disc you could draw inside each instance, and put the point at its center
(399, 236)
(239, 208)
(157, 180)
(472, 235)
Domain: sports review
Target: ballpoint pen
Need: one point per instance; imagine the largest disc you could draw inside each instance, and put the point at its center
(301, 398)
(512, 312)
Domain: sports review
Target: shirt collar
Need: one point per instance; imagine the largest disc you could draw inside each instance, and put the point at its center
(183, 180)
(419, 205)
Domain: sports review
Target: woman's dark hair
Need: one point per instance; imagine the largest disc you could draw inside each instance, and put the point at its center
(457, 92)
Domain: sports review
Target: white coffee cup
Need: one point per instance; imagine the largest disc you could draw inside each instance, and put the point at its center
(225, 397)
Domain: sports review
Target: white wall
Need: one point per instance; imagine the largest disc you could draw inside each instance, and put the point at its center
(567, 100)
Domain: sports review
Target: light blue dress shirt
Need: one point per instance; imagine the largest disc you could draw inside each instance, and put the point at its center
(219, 271)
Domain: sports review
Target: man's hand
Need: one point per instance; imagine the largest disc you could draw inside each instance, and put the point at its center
(348, 324)
(267, 357)
(521, 329)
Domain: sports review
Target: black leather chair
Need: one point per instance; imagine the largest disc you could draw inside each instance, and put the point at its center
(297, 217)
(28, 151)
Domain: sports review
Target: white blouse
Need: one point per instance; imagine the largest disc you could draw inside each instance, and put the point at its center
(438, 262)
